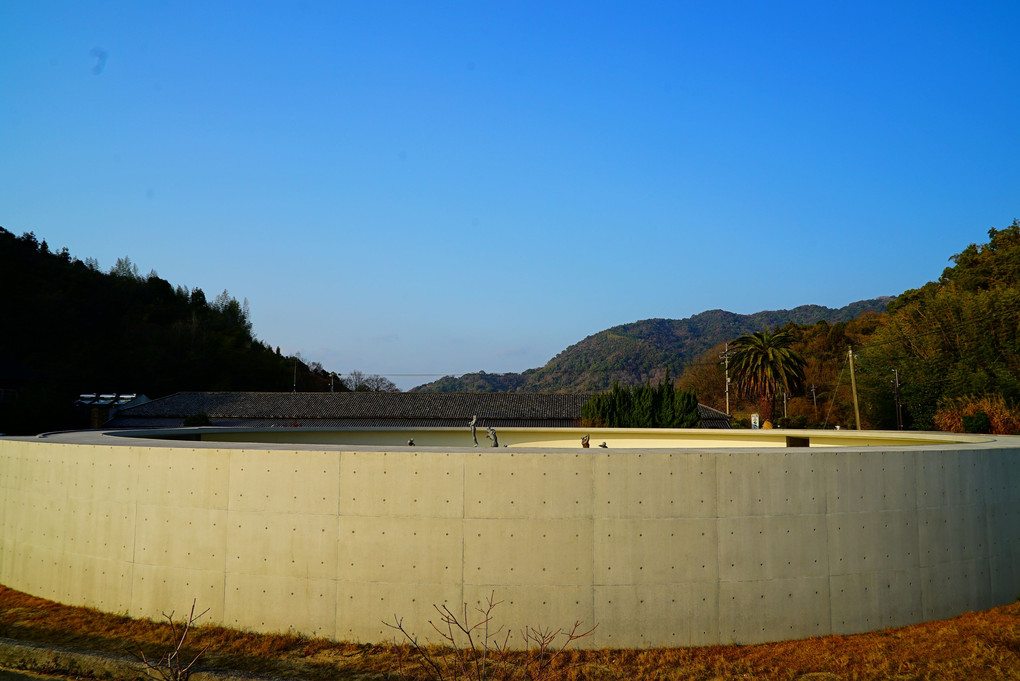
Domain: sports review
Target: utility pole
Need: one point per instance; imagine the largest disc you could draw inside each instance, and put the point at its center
(726, 357)
(295, 374)
(853, 386)
(814, 399)
(896, 394)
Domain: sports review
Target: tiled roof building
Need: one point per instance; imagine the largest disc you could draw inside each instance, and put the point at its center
(371, 409)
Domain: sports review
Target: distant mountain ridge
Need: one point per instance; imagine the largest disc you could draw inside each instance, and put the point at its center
(634, 353)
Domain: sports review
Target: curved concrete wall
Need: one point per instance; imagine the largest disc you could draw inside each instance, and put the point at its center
(660, 547)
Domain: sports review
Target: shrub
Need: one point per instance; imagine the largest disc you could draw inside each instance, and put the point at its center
(977, 423)
(792, 422)
(978, 414)
(199, 419)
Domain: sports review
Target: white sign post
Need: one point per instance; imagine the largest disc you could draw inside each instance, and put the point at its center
(754, 421)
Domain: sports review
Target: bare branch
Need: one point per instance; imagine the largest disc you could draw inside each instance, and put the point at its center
(170, 666)
(477, 651)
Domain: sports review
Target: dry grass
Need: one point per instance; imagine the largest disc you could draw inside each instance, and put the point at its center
(982, 645)
(1003, 417)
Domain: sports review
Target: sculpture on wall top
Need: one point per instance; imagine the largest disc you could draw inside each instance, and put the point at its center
(490, 433)
(474, 436)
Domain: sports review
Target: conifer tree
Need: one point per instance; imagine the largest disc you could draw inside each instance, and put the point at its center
(661, 406)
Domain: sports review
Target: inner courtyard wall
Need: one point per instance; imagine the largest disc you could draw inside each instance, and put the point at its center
(658, 547)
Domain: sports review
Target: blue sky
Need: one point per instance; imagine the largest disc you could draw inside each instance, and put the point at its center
(436, 188)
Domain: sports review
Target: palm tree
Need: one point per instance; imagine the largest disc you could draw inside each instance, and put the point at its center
(763, 364)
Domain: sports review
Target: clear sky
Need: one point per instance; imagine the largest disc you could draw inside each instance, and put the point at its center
(445, 187)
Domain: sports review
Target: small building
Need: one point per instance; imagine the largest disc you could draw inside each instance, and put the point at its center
(370, 410)
(101, 407)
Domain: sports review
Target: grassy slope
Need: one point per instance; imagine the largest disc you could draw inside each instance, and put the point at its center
(983, 645)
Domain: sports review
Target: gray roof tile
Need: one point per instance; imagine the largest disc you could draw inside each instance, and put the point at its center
(353, 409)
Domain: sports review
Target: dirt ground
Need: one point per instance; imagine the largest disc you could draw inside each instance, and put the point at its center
(981, 645)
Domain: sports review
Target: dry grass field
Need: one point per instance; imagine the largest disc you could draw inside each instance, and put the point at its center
(982, 645)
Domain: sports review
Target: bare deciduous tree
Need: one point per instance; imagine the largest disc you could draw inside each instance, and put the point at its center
(479, 651)
(172, 665)
(362, 382)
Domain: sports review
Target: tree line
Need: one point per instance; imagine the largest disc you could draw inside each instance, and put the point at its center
(70, 328)
(945, 356)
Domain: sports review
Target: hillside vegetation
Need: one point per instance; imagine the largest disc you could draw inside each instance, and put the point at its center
(945, 356)
(632, 354)
(71, 329)
(942, 356)
(955, 341)
(952, 345)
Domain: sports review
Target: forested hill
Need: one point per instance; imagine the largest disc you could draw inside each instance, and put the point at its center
(69, 329)
(633, 353)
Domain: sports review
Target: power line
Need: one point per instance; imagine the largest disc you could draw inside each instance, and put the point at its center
(832, 400)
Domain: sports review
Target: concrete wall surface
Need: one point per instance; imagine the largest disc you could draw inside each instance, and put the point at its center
(659, 547)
